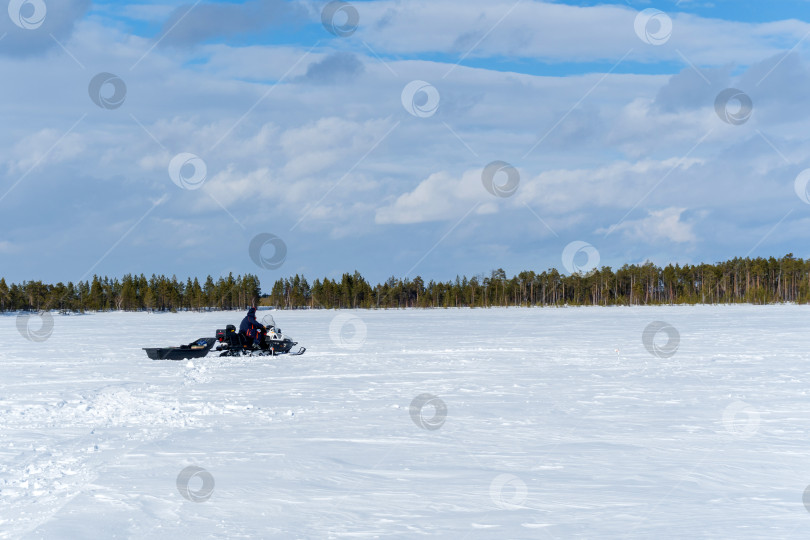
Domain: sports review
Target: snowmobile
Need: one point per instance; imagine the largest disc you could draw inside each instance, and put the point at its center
(272, 342)
(231, 343)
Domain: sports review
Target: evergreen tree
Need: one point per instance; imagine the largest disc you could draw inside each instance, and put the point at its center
(96, 299)
(4, 294)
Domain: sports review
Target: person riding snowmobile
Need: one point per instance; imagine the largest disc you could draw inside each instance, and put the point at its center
(252, 328)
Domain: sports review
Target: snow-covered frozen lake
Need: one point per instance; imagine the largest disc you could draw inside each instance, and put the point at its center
(536, 423)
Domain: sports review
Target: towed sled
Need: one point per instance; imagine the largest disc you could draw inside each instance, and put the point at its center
(195, 349)
(231, 343)
(272, 343)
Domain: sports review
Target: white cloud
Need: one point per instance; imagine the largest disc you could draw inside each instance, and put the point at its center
(659, 225)
(442, 196)
(621, 184)
(439, 197)
(561, 33)
(230, 186)
(319, 146)
(45, 145)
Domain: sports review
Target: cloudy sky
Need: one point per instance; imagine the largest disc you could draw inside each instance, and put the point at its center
(399, 138)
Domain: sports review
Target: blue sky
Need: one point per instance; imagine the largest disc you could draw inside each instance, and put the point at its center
(367, 151)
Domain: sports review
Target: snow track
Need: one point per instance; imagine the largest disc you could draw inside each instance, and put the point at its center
(92, 432)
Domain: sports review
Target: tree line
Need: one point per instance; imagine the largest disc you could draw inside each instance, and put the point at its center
(740, 280)
(132, 293)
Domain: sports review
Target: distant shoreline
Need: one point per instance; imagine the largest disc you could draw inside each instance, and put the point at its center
(471, 308)
(741, 280)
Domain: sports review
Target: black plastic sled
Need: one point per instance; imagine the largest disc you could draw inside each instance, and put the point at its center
(195, 349)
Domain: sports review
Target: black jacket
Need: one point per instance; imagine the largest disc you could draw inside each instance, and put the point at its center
(250, 321)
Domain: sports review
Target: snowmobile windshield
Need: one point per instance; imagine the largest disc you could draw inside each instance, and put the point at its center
(268, 321)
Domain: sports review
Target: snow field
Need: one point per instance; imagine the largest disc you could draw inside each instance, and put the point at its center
(499, 423)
